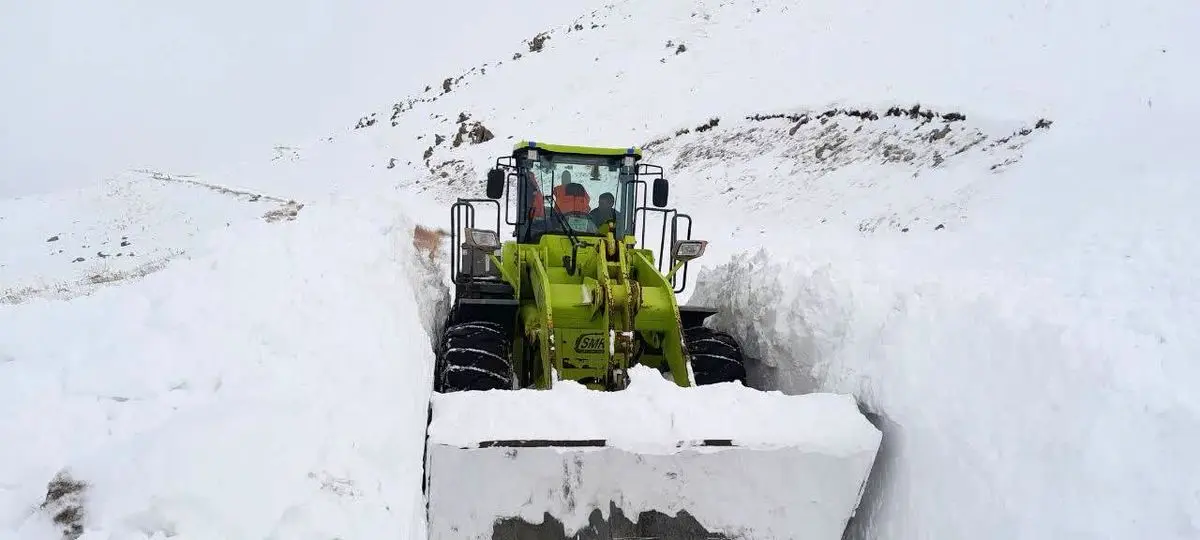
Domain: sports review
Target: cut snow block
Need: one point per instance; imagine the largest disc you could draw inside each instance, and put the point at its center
(653, 460)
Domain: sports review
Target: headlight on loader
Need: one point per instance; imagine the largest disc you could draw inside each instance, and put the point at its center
(686, 250)
(482, 240)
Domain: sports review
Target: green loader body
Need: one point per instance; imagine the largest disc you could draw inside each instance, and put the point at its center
(573, 296)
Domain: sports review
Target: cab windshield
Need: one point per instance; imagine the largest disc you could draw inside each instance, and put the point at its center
(587, 191)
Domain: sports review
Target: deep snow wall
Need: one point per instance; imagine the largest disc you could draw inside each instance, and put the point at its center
(271, 382)
(1031, 364)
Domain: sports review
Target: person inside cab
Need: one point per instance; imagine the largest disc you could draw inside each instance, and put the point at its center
(571, 197)
(605, 211)
(534, 197)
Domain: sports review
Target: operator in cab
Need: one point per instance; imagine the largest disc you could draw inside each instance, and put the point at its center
(571, 197)
(605, 211)
(534, 198)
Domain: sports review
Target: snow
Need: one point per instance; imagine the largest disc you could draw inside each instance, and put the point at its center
(797, 462)
(1032, 350)
(667, 415)
(1025, 359)
(1012, 299)
(1026, 419)
(68, 243)
(216, 399)
(755, 493)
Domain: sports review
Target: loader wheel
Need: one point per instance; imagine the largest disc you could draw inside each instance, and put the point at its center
(474, 355)
(716, 356)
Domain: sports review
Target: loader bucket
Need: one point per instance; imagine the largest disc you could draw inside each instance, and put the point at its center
(652, 461)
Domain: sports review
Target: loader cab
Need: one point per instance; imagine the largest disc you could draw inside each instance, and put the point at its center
(575, 192)
(569, 190)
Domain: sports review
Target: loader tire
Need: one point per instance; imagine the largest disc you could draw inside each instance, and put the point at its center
(474, 355)
(716, 356)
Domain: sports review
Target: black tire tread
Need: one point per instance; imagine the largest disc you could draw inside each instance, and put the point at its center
(473, 355)
(716, 356)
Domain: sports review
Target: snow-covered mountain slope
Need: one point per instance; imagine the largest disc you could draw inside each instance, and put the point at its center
(65, 244)
(628, 73)
(1005, 280)
(268, 385)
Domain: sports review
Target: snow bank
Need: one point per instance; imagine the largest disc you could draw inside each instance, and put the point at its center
(274, 385)
(797, 467)
(1019, 315)
(1032, 409)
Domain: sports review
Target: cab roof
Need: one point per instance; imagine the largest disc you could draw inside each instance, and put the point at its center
(585, 150)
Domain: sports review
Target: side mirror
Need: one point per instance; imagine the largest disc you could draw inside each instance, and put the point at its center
(495, 184)
(659, 197)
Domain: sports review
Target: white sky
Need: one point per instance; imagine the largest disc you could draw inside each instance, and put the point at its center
(93, 88)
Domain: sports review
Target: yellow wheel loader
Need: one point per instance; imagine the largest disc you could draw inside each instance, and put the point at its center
(575, 398)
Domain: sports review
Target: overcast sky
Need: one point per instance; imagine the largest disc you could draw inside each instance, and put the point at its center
(92, 88)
